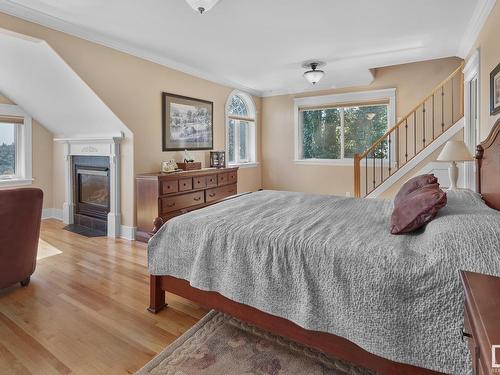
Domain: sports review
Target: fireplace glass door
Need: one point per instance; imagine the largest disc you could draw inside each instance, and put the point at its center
(93, 191)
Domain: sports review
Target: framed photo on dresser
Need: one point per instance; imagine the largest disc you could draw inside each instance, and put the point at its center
(495, 91)
(187, 123)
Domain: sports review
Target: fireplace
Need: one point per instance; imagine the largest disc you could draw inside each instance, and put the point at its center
(91, 192)
(92, 185)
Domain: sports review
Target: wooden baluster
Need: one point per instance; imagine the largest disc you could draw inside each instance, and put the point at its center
(397, 148)
(366, 175)
(357, 176)
(423, 125)
(433, 117)
(381, 161)
(390, 154)
(406, 139)
(442, 109)
(452, 101)
(373, 157)
(414, 133)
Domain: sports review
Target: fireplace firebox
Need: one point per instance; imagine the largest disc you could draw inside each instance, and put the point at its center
(91, 192)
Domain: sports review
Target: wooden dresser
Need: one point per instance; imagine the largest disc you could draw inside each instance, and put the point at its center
(169, 195)
(482, 320)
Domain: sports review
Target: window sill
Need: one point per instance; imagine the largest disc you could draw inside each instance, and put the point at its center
(340, 162)
(16, 182)
(244, 165)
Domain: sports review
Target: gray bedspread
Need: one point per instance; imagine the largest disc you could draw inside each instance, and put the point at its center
(329, 264)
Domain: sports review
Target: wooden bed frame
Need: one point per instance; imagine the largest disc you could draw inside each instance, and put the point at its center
(488, 185)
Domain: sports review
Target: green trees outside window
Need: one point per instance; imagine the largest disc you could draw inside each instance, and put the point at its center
(339, 133)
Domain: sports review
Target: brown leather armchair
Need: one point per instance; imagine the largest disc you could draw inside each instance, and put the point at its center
(20, 216)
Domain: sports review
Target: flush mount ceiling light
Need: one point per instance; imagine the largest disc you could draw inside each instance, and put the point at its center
(313, 75)
(202, 6)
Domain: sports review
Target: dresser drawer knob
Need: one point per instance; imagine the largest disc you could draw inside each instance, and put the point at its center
(211, 195)
(465, 334)
(197, 198)
(171, 204)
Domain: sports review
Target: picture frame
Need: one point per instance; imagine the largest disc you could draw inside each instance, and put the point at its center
(495, 91)
(187, 123)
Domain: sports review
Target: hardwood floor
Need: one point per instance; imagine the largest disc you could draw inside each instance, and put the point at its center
(85, 310)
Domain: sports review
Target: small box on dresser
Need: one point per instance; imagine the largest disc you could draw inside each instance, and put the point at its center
(173, 194)
(482, 321)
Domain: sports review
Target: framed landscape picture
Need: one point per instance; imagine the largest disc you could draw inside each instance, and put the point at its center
(495, 91)
(187, 123)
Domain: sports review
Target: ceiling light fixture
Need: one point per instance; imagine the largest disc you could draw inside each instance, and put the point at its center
(313, 75)
(202, 6)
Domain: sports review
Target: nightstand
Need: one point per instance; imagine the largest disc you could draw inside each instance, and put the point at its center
(482, 321)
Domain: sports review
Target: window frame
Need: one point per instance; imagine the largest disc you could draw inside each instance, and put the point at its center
(23, 139)
(361, 98)
(251, 139)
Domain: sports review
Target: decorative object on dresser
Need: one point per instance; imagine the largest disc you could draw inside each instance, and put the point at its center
(169, 195)
(168, 166)
(454, 151)
(495, 91)
(192, 166)
(187, 123)
(217, 159)
(481, 321)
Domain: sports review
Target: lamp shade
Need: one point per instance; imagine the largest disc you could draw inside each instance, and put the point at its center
(202, 6)
(314, 76)
(455, 151)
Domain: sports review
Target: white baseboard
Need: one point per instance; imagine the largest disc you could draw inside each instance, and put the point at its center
(52, 213)
(127, 233)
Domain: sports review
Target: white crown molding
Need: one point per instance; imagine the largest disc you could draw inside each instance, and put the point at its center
(476, 23)
(55, 23)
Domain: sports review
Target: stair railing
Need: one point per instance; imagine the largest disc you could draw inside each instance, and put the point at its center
(412, 134)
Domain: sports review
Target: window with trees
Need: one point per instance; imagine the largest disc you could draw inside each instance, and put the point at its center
(240, 129)
(341, 132)
(15, 146)
(327, 131)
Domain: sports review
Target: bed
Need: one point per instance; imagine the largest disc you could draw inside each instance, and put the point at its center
(324, 271)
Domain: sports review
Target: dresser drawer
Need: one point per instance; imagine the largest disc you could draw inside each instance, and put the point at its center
(219, 193)
(222, 179)
(168, 187)
(211, 180)
(186, 184)
(232, 177)
(179, 202)
(199, 182)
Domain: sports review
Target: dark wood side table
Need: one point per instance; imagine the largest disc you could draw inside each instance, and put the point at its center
(482, 321)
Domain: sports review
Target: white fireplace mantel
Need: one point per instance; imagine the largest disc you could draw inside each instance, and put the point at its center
(94, 146)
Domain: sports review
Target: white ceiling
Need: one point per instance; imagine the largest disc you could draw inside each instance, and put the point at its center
(259, 45)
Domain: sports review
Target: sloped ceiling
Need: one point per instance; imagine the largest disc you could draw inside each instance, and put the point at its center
(259, 45)
(35, 77)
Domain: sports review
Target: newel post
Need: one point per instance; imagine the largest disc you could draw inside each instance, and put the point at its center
(357, 176)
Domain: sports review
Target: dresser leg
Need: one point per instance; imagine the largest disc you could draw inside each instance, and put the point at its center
(156, 295)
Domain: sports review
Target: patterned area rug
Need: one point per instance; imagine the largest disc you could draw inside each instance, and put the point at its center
(219, 344)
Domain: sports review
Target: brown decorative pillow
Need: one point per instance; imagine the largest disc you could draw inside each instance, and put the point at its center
(417, 208)
(413, 184)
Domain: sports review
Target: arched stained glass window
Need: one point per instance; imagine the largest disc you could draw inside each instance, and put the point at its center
(240, 129)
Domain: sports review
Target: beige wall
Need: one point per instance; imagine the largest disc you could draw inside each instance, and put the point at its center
(41, 159)
(412, 82)
(131, 87)
(488, 43)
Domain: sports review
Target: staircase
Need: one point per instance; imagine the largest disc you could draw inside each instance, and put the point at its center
(426, 127)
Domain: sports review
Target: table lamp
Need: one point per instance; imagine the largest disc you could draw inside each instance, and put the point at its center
(453, 152)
